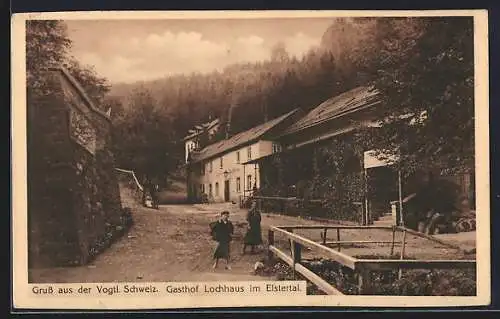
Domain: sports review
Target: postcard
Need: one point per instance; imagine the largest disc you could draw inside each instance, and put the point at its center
(206, 159)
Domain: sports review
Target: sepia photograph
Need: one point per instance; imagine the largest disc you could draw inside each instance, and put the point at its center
(241, 155)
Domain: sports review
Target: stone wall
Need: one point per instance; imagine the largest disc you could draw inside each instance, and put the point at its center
(74, 206)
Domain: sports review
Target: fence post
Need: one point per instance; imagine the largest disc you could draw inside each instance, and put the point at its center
(324, 236)
(270, 241)
(393, 239)
(403, 244)
(364, 281)
(297, 255)
(338, 238)
(290, 242)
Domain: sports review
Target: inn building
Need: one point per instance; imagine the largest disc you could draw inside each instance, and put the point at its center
(224, 170)
(230, 169)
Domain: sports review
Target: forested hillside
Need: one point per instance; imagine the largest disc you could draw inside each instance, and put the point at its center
(422, 65)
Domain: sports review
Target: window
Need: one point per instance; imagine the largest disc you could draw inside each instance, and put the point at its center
(249, 182)
(216, 189)
(210, 167)
(249, 152)
(202, 187)
(210, 189)
(238, 157)
(221, 162)
(276, 148)
(238, 184)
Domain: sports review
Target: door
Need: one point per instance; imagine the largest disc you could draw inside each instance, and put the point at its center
(226, 191)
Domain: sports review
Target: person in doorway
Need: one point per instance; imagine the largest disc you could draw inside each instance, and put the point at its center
(253, 237)
(222, 232)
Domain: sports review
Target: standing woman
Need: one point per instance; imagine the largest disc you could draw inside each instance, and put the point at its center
(253, 236)
(222, 232)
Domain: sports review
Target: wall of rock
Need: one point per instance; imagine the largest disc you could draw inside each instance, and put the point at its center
(74, 205)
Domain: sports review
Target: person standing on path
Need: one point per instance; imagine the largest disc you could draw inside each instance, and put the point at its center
(222, 231)
(253, 236)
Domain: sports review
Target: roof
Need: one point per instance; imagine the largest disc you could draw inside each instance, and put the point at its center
(80, 90)
(198, 129)
(335, 107)
(239, 139)
(258, 159)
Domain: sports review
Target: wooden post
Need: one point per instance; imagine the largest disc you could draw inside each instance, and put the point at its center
(244, 183)
(403, 244)
(366, 206)
(338, 238)
(270, 242)
(364, 281)
(324, 236)
(400, 193)
(297, 256)
(393, 239)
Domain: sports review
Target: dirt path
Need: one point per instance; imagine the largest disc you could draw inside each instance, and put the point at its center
(173, 244)
(169, 244)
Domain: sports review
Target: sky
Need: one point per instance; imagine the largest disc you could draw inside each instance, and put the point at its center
(126, 51)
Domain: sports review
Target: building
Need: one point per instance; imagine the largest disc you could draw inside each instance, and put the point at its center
(74, 204)
(378, 183)
(224, 170)
(199, 135)
(367, 185)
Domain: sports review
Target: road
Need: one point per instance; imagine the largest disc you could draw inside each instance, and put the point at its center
(173, 244)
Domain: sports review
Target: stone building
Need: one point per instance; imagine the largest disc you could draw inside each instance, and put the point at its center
(74, 205)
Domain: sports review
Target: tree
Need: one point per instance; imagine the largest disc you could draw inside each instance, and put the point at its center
(95, 86)
(47, 45)
(144, 140)
(279, 53)
(427, 85)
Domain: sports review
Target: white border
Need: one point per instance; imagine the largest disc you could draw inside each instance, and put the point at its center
(22, 297)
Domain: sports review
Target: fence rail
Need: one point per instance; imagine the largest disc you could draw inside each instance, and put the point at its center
(361, 267)
(133, 182)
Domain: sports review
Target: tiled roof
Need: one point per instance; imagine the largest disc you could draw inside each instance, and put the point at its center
(198, 129)
(337, 106)
(239, 139)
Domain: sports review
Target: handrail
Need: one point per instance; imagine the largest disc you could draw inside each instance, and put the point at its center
(339, 257)
(133, 175)
(361, 266)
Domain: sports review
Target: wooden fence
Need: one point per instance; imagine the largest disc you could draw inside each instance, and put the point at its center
(361, 267)
(312, 208)
(129, 177)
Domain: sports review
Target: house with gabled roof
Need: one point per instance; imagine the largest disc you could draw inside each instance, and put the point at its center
(222, 170)
(199, 135)
(379, 183)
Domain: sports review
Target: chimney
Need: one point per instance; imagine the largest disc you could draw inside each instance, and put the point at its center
(233, 105)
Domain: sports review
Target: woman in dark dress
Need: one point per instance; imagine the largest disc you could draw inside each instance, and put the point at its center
(253, 236)
(222, 232)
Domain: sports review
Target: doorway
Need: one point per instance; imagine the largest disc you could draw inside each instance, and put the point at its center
(226, 191)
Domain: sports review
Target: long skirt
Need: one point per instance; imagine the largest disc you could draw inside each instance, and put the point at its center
(253, 237)
(222, 250)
